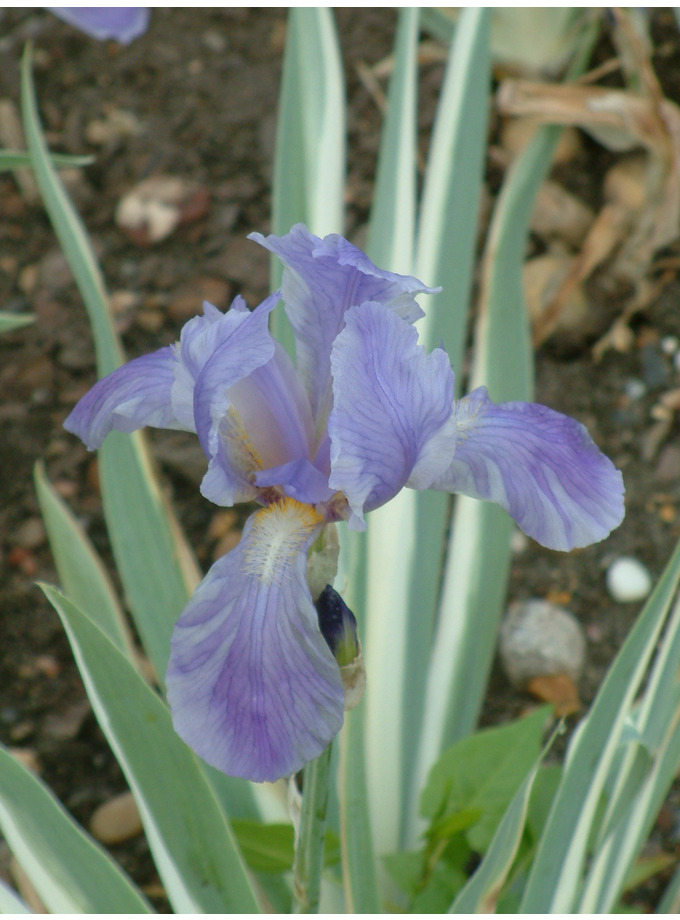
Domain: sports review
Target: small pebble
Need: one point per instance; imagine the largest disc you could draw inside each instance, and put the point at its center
(669, 344)
(214, 41)
(65, 724)
(22, 730)
(668, 465)
(654, 369)
(628, 580)
(634, 389)
(539, 638)
(30, 534)
(116, 820)
(518, 542)
(27, 757)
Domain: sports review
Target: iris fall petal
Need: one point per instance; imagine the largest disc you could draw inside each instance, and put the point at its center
(134, 395)
(252, 685)
(541, 466)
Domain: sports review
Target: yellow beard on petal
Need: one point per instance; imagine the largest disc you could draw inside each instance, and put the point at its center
(275, 538)
(242, 453)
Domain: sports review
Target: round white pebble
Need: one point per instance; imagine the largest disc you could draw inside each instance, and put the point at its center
(669, 344)
(628, 580)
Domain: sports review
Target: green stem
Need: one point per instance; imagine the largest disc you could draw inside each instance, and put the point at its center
(310, 842)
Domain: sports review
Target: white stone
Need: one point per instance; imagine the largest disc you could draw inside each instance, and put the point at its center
(635, 389)
(538, 639)
(628, 580)
(669, 344)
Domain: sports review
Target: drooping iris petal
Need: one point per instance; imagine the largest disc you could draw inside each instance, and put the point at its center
(322, 280)
(124, 23)
(391, 423)
(158, 389)
(541, 466)
(134, 395)
(252, 685)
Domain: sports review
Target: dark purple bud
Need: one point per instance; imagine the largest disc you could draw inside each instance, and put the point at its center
(338, 626)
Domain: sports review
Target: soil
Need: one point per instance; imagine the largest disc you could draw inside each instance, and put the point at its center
(198, 95)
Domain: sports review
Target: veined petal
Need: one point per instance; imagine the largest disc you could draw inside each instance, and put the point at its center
(252, 684)
(391, 422)
(134, 395)
(124, 23)
(541, 466)
(250, 419)
(237, 342)
(322, 280)
(299, 479)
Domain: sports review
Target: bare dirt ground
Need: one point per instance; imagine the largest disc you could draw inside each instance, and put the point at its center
(196, 98)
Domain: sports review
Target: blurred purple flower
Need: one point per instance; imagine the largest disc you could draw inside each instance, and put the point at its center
(252, 684)
(123, 23)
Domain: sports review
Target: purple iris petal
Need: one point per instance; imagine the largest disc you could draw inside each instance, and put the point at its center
(391, 423)
(236, 342)
(158, 389)
(249, 419)
(124, 23)
(299, 479)
(539, 465)
(322, 280)
(252, 684)
(137, 394)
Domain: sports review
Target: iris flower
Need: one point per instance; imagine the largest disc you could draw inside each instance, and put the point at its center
(253, 686)
(124, 23)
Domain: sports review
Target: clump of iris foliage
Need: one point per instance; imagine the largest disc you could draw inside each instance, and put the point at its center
(401, 803)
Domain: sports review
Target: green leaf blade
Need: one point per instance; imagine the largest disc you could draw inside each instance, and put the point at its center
(481, 773)
(555, 879)
(309, 158)
(15, 159)
(157, 568)
(188, 834)
(81, 571)
(70, 872)
(11, 321)
(481, 892)
(478, 559)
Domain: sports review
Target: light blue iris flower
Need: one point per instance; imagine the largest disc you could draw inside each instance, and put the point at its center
(253, 686)
(122, 23)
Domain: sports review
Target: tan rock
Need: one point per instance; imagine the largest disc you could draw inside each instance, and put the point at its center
(116, 820)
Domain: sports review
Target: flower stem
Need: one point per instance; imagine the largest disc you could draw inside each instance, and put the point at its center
(308, 861)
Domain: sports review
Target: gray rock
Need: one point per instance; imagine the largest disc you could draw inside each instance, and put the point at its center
(537, 639)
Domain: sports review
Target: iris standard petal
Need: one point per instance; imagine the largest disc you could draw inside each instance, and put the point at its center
(391, 422)
(134, 395)
(252, 684)
(322, 280)
(241, 340)
(124, 23)
(541, 466)
(249, 418)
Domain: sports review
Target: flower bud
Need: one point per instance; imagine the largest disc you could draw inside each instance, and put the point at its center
(339, 628)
